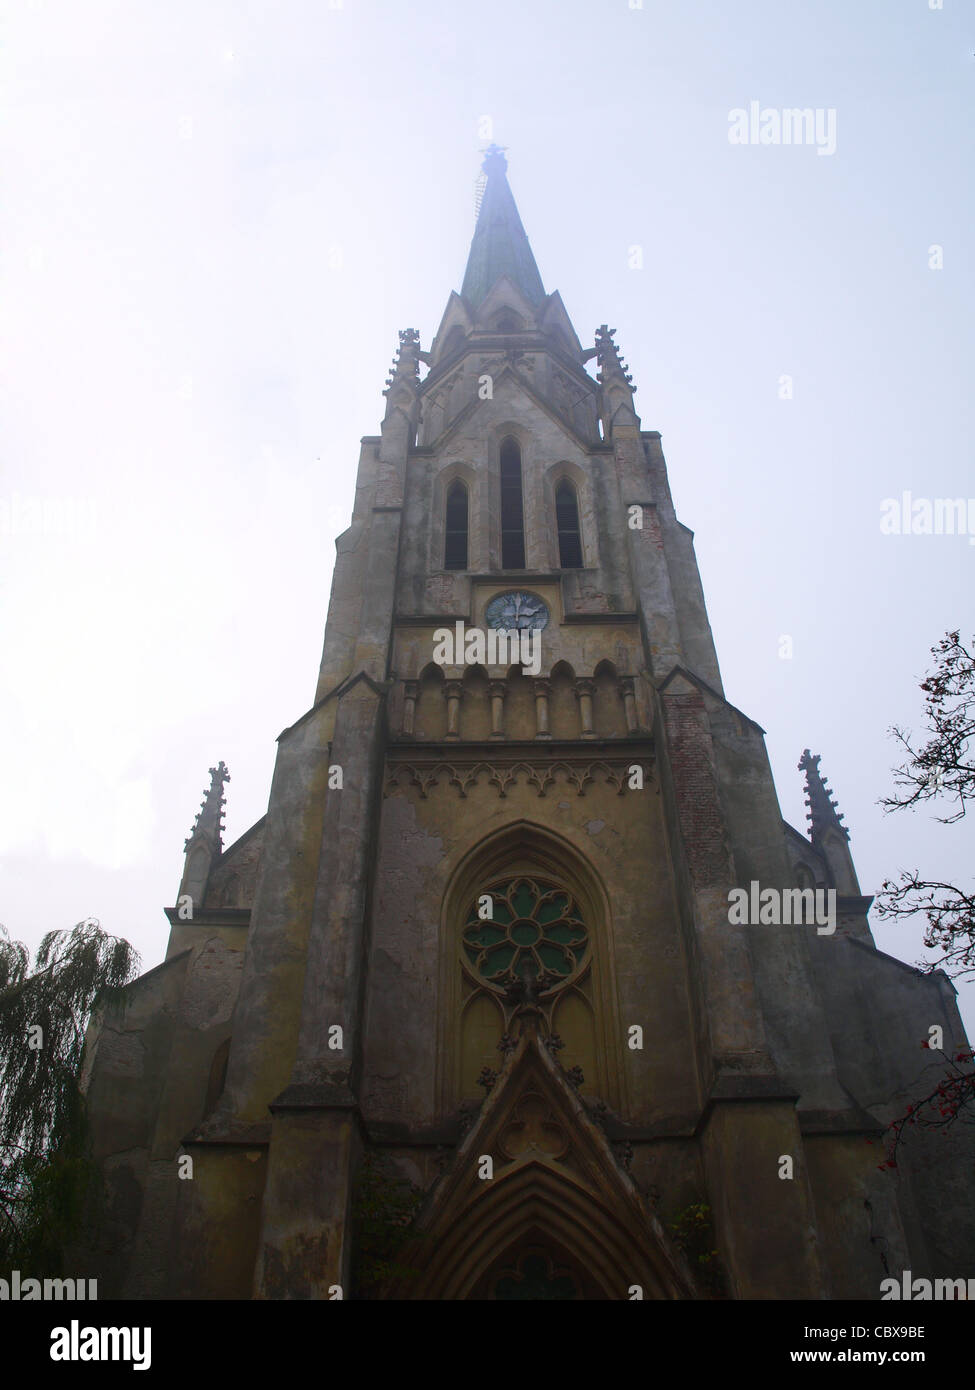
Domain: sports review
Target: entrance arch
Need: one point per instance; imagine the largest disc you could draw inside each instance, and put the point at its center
(555, 1191)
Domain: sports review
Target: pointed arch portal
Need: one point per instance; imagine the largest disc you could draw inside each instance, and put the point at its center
(557, 1219)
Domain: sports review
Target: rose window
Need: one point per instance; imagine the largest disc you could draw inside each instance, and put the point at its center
(534, 926)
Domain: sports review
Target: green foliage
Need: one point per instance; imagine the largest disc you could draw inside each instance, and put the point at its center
(44, 1205)
(693, 1232)
(46, 1176)
(384, 1208)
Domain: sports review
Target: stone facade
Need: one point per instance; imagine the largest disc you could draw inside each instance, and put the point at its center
(483, 935)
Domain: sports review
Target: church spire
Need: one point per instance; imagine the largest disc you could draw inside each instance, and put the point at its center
(500, 245)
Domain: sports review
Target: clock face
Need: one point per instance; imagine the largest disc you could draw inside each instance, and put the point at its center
(518, 610)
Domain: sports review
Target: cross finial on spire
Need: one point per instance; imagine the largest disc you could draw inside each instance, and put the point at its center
(494, 161)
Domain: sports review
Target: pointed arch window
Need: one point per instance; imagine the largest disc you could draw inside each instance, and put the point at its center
(455, 542)
(529, 929)
(507, 322)
(535, 943)
(512, 508)
(567, 521)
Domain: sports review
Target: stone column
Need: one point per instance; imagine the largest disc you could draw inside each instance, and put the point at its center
(629, 703)
(453, 691)
(411, 689)
(584, 692)
(775, 1254)
(497, 690)
(543, 689)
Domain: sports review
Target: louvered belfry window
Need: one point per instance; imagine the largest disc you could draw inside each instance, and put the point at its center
(512, 509)
(455, 543)
(567, 521)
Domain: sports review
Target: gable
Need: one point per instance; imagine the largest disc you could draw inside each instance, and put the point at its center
(504, 294)
(554, 1185)
(512, 399)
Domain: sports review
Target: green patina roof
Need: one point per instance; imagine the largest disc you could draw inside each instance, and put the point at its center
(500, 246)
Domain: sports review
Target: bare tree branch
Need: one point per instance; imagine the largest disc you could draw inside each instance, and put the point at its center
(943, 767)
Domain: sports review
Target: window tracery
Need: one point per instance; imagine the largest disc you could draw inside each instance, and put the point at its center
(534, 927)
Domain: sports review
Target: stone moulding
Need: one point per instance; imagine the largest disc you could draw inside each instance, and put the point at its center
(465, 773)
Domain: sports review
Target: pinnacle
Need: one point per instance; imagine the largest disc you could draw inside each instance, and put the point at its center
(406, 363)
(209, 818)
(608, 357)
(822, 813)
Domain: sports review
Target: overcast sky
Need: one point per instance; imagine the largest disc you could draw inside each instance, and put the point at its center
(216, 216)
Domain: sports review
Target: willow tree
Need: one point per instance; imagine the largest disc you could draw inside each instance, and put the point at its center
(45, 1172)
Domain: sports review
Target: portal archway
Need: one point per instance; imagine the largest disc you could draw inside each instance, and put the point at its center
(559, 1219)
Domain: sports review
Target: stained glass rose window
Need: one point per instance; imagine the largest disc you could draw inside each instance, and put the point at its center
(533, 925)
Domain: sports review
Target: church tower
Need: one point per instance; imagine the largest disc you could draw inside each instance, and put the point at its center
(523, 926)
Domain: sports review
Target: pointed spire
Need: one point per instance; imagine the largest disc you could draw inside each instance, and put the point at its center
(822, 813)
(500, 245)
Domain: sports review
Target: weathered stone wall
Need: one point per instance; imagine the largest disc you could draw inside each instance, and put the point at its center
(618, 839)
(879, 1013)
(547, 449)
(233, 879)
(149, 1062)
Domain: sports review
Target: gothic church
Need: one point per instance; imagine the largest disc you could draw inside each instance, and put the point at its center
(480, 948)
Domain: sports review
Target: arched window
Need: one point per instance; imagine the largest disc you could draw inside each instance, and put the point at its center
(525, 915)
(455, 544)
(567, 520)
(535, 937)
(512, 511)
(507, 322)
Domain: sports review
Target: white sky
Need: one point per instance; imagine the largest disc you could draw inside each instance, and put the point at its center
(187, 371)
